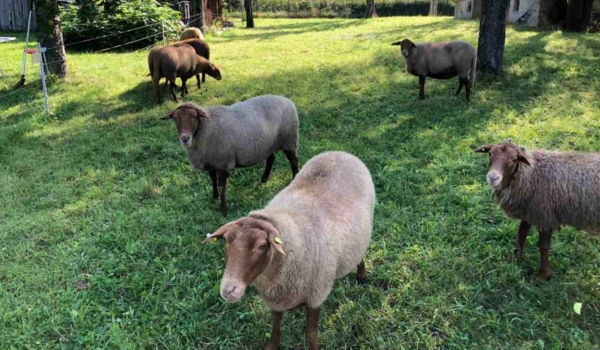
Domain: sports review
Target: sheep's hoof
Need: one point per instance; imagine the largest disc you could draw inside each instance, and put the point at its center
(272, 346)
(543, 275)
(361, 280)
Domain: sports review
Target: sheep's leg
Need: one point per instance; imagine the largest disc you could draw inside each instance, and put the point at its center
(213, 178)
(421, 88)
(361, 272)
(183, 87)
(461, 82)
(172, 84)
(517, 253)
(293, 159)
(222, 181)
(268, 167)
(198, 79)
(544, 246)
(468, 88)
(276, 317)
(312, 327)
(203, 78)
(156, 81)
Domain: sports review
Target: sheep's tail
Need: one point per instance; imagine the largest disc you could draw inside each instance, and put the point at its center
(473, 70)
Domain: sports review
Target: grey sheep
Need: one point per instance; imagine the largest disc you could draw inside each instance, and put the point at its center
(443, 60)
(221, 138)
(191, 33)
(178, 61)
(545, 189)
(313, 232)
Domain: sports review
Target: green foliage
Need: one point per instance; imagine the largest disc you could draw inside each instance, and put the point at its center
(103, 193)
(127, 16)
(340, 8)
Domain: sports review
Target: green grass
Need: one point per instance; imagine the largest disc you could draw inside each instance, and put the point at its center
(102, 192)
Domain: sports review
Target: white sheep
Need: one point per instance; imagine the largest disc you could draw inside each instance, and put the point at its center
(313, 232)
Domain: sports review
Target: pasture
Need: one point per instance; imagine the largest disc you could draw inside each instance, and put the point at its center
(102, 215)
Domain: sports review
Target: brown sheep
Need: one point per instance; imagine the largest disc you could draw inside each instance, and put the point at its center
(202, 49)
(191, 33)
(443, 60)
(178, 61)
(545, 189)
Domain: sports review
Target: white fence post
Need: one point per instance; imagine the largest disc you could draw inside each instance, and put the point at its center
(43, 76)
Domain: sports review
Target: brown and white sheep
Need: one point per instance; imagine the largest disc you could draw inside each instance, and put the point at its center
(313, 232)
(545, 189)
(444, 60)
(221, 138)
(178, 61)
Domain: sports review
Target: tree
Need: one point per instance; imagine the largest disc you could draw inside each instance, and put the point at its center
(371, 12)
(50, 35)
(579, 14)
(492, 34)
(433, 8)
(249, 15)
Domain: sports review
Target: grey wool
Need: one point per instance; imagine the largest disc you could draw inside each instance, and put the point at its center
(325, 219)
(557, 189)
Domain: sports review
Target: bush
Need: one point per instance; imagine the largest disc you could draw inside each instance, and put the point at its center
(339, 8)
(126, 17)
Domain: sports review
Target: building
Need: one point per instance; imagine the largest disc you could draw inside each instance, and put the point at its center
(533, 13)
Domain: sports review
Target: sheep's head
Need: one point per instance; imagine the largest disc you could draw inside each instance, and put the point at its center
(251, 244)
(213, 71)
(187, 118)
(406, 46)
(205, 66)
(504, 159)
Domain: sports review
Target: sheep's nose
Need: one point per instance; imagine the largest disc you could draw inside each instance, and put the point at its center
(230, 290)
(185, 139)
(493, 177)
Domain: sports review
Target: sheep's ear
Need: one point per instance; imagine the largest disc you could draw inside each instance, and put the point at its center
(168, 116)
(218, 234)
(202, 114)
(522, 157)
(397, 43)
(483, 149)
(275, 240)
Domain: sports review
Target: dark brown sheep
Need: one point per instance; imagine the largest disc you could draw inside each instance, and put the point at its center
(545, 189)
(443, 60)
(202, 49)
(178, 61)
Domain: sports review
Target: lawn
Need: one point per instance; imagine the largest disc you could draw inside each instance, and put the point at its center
(102, 215)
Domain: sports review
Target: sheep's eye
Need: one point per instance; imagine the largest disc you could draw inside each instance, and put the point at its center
(262, 247)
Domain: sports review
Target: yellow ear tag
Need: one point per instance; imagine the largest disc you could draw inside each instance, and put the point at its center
(278, 240)
(213, 240)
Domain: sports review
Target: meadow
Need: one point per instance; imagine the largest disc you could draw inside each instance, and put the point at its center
(102, 215)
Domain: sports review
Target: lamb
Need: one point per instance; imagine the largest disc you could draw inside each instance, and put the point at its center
(191, 33)
(545, 189)
(202, 49)
(313, 232)
(443, 60)
(221, 138)
(178, 61)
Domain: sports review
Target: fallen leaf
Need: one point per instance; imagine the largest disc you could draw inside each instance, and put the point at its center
(577, 308)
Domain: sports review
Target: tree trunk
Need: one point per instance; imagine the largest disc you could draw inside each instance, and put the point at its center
(433, 8)
(49, 35)
(371, 12)
(579, 13)
(249, 15)
(492, 34)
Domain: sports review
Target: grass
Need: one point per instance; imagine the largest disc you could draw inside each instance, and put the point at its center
(102, 215)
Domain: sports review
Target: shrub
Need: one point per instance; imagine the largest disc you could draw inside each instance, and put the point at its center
(126, 17)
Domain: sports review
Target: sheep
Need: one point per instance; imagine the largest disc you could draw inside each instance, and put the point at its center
(191, 33)
(202, 49)
(443, 60)
(313, 232)
(544, 189)
(178, 61)
(221, 138)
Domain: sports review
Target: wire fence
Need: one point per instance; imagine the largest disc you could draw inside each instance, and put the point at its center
(157, 42)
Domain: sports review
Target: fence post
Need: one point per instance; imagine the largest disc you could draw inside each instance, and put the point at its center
(43, 76)
(163, 32)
